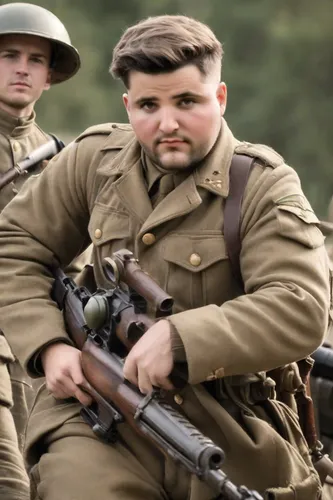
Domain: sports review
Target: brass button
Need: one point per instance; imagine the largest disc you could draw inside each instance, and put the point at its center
(98, 233)
(178, 399)
(148, 239)
(219, 373)
(16, 146)
(195, 259)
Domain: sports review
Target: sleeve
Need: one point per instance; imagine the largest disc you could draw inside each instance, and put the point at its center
(44, 226)
(284, 315)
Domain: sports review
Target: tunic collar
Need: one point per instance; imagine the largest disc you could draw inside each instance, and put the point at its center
(16, 127)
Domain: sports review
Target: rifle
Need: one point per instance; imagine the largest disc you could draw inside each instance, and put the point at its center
(322, 380)
(105, 325)
(323, 365)
(44, 152)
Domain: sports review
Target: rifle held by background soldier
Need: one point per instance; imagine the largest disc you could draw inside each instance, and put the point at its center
(44, 152)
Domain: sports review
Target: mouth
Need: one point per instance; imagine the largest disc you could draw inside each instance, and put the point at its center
(172, 142)
(20, 84)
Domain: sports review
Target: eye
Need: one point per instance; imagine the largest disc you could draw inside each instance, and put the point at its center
(148, 106)
(37, 60)
(187, 102)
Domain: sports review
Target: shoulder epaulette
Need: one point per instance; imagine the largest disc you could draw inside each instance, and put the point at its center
(265, 153)
(104, 129)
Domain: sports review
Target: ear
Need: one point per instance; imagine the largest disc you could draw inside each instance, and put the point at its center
(126, 103)
(221, 95)
(47, 84)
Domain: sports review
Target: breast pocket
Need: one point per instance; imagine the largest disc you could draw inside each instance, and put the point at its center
(109, 231)
(198, 269)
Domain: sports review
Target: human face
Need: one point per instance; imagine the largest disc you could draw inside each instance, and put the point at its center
(176, 116)
(24, 72)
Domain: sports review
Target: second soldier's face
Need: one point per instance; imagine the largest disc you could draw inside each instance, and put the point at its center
(24, 72)
(176, 116)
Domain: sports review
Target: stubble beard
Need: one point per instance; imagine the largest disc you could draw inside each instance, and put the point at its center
(16, 102)
(176, 160)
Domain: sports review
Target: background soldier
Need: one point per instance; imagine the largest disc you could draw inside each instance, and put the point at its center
(35, 52)
(158, 187)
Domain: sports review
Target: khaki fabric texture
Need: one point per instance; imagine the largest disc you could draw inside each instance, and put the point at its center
(282, 317)
(18, 137)
(14, 484)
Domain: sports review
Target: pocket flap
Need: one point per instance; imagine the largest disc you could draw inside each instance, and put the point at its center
(107, 224)
(195, 252)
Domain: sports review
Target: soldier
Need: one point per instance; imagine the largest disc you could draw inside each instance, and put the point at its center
(35, 52)
(158, 187)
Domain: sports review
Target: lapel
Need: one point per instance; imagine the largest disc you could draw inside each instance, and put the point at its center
(132, 190)
(213, 173)
(181, 201)
(130, 185)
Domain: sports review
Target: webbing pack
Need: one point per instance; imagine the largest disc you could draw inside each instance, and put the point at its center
(240, 169)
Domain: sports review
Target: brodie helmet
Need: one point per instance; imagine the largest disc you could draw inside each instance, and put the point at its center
(29, 19)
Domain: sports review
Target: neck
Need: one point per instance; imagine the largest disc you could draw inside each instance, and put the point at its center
(16, 112)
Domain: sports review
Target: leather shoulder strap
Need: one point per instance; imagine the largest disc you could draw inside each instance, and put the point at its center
(240, 169)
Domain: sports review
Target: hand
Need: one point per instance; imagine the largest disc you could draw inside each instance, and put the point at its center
(63, 372)
(44, 164)
(150, 361)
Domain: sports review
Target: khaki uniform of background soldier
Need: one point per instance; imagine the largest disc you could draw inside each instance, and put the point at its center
(29, 64)
(109, 187)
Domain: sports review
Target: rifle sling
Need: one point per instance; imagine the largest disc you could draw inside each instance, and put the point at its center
(240, 169)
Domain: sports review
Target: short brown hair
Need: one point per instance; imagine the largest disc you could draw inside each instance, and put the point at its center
(165, 43)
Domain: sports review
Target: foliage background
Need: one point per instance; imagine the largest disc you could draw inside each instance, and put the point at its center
(278, 66)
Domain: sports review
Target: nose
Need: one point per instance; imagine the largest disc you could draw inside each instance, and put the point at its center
(22, 67)
(168, 121)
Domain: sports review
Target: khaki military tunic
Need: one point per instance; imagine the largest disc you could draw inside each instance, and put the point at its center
(18, 137)
(96, 191)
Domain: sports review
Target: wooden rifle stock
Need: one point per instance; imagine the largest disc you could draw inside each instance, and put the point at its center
(116, 401)
(171, 432)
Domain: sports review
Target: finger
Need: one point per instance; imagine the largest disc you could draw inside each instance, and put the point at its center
(130, 370)
(76, 373)
(82, 396)
(68, 389)
(58, 393)
(162, 382)
(44, 164)
(61, 390)
(79, 384)
(144, 383)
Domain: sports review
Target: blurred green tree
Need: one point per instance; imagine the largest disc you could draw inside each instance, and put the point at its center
(278, 67)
